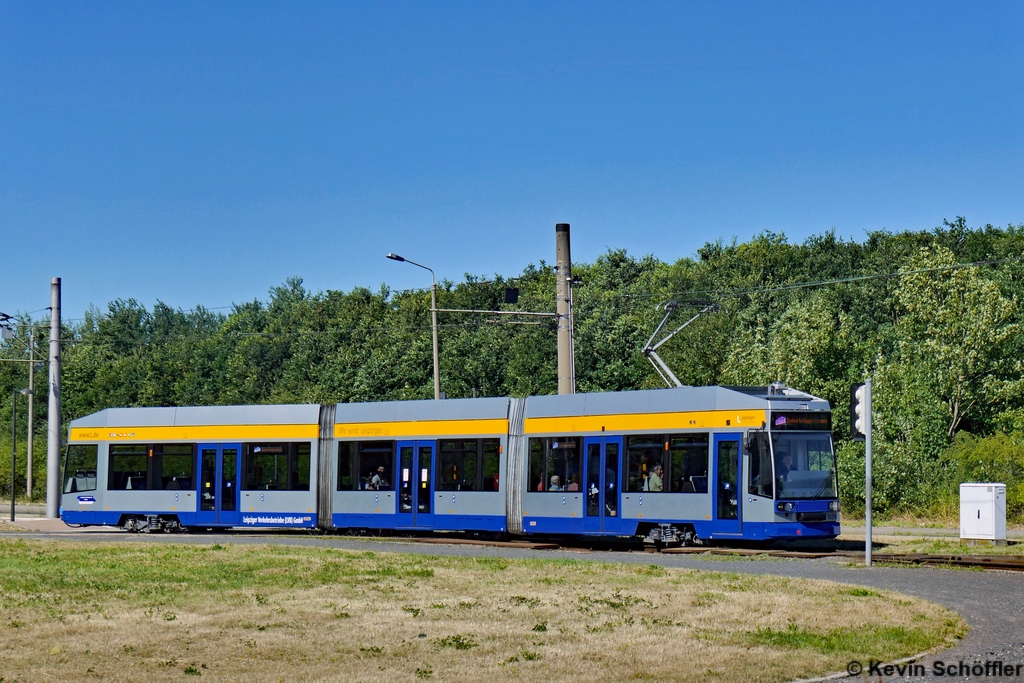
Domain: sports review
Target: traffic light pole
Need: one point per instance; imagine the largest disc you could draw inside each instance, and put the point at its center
(867, 473)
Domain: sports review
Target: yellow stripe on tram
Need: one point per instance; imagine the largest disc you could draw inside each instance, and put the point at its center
(196, 433)
(715, 419)
(646, 422)
(421, 428)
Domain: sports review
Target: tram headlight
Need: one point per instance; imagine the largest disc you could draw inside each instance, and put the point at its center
(784, 507)
(833, 506)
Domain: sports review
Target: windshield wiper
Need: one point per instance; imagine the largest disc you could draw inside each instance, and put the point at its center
(824, 482)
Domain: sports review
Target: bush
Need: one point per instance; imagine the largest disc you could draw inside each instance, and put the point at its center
(850, 463)
(998, 458)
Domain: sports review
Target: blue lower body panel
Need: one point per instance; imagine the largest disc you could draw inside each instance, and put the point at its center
(358, 521)
(251, 519)
(572, 526)
(441, 522)
(775, 531)
(750, 531)
(469, 522)
(801, 530)
(97, 518)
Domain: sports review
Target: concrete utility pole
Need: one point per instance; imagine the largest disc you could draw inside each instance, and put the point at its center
(31, 407)
(53, 418)
(563, 307)
(14, 445)
(433, 331)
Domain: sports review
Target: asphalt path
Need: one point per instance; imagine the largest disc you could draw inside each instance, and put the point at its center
(992, 602)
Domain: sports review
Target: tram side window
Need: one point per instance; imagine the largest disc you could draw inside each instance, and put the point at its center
(644, 455)
(374, 455)
(760, 480)
(277, 466)
(468, 465)
(366, 465)
(536, 482)
(173, 466)
(303, 466)
(266, 467)
(490, 467)
(688, 457)
(555, 464)
(457, 465)
(564, 463)
(346, 465)
(127, 470)
(80, 468)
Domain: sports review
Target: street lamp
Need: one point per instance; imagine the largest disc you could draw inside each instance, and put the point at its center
(433, 318)
(14, 436)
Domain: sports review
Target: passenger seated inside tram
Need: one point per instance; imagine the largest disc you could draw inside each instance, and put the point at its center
(574, 484)
(654, 481)
(556, 483)
(378, 482)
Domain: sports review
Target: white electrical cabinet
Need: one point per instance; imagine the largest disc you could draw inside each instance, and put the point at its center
(983, 512)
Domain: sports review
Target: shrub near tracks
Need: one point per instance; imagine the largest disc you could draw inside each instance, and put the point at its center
(128, 612)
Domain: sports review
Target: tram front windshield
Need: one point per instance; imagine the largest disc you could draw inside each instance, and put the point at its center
(804, 465)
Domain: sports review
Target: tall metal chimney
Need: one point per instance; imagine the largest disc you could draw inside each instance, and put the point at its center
(563, 306)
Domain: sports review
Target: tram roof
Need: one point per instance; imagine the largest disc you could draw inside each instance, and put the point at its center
(682, 399)
(415, 411)
(202, 416)
(676, 400)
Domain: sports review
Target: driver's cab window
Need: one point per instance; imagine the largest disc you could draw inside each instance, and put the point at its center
(80, 468)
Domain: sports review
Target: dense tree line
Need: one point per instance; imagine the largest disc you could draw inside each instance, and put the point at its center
(942, 341)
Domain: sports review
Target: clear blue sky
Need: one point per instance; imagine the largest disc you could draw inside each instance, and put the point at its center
(204, 152)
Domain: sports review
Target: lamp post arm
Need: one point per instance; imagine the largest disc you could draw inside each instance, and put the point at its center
(433, 319)
(432, 282)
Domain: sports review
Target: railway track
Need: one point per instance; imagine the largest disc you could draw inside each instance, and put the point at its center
(1000, 562)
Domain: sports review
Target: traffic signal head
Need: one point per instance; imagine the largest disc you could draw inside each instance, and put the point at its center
(858, 411)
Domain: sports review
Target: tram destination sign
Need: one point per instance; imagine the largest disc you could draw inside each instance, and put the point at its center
(802, 421)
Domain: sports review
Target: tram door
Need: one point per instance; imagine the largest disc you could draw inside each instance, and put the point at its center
(415, 484)
(602, 457)
(726, 499)
(219, 465)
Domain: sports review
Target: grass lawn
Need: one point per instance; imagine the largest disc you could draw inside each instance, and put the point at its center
(153, 611)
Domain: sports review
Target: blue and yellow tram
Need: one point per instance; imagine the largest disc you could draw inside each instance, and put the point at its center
(669, 465)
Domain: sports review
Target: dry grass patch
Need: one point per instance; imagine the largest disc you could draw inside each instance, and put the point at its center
(130, 612)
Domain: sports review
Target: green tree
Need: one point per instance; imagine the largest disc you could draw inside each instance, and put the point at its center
(959, 327)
